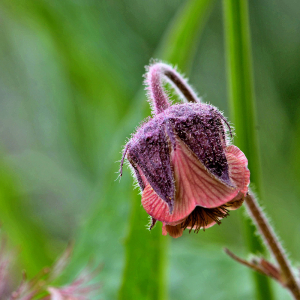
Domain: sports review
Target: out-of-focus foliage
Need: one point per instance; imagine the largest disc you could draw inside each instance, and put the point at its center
(42, 286)
(69, 71)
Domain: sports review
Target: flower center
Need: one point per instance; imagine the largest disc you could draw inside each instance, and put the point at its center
(202, 217)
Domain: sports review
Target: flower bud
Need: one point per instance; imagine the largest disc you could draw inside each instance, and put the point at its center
(189, 174)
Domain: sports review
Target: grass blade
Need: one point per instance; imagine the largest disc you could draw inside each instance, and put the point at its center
(181, 39)
(242, 105)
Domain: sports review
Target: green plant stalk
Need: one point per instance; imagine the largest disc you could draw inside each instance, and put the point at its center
(178, 46)
(242, 106)
(145, 255)
(180, 41)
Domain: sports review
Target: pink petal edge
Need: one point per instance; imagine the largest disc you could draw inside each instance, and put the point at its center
(196, 186)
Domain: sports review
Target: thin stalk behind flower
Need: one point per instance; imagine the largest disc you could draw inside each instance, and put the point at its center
(242, 102)
(154, 76)
(287, 277)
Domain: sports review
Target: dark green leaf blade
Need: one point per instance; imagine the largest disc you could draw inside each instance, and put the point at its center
(242, 106)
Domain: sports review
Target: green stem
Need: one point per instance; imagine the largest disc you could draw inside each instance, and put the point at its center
(242, 102)
(144, 274)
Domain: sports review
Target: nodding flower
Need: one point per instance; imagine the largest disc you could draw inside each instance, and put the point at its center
(189, 173)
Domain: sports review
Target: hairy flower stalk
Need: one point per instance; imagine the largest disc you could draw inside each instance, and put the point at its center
(282, 273)
(157, 95)
(189, 174)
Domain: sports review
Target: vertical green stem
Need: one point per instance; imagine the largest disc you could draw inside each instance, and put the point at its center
(144, 276)
(242, 105)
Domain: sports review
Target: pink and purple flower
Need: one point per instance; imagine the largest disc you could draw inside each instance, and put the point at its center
(189, 174)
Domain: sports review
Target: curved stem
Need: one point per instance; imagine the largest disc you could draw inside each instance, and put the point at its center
(160, 101)
(181, 85)
(244, 262)
(271, 241)
(157, 95)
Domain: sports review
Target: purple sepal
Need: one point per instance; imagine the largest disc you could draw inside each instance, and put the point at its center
(149, 149)
(200, 127)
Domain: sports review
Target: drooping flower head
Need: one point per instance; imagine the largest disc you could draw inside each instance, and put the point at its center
(189, 174)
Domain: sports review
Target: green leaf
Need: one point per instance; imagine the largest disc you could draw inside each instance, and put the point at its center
(144, 273)
(181, 40)
(242, 105)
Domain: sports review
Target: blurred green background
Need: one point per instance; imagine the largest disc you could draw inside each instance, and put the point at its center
(70, 71)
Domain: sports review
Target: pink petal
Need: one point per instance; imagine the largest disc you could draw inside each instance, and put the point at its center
(238, 154)
(164, 229)
(196, 186)
(159, 210)
(238, 170)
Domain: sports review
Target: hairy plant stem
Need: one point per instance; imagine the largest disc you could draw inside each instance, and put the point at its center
(159, 71)
(287, 277)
